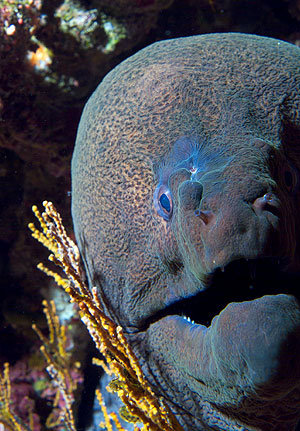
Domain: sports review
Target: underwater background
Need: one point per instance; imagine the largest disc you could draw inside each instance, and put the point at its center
(53, 54)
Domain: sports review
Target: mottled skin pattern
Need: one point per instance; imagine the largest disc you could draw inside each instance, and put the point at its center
(212, 122)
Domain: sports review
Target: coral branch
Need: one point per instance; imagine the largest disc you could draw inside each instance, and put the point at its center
(8, 418)
(59, 368)
(140, 402)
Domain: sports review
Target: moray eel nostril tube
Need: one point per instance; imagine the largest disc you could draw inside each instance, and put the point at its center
(185, 202)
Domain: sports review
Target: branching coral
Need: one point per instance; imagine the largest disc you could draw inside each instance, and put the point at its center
(8, 418)
(60, 369)
(140, 402)
(19, 395)
(64, 379)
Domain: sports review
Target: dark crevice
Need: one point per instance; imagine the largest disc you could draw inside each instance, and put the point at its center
(92, 375)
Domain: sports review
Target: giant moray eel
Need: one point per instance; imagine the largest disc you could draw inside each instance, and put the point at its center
(185, 201)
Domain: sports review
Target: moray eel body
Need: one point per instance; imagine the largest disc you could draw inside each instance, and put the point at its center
(185, 202)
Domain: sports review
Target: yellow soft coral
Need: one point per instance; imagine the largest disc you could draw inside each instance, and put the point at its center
(8, 418)
(140, 402)
(59, 368)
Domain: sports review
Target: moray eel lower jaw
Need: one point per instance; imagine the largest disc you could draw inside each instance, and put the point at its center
(238, 341)
(244, 350)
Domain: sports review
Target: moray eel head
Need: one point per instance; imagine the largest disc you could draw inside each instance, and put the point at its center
(185, 202)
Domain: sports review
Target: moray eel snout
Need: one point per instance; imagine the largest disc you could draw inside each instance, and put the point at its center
(221, 208)
(185, 203)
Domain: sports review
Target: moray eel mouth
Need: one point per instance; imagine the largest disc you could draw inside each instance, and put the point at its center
(240, 280)
(238, 339)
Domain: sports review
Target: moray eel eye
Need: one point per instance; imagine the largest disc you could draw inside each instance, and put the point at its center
(163, 201)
